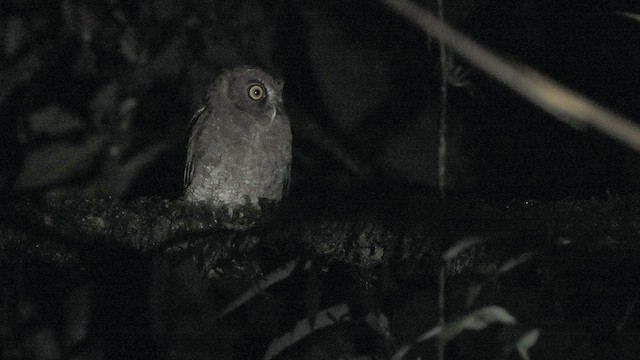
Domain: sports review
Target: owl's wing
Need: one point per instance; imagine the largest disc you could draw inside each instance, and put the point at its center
(191, 148)
(287, 179)
(285, 187)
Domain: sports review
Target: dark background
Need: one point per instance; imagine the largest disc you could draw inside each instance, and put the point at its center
(96, 97)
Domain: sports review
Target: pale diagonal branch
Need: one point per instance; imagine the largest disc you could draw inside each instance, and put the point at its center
(565, 104)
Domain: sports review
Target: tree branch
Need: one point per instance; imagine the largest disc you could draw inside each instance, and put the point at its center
(568, 106)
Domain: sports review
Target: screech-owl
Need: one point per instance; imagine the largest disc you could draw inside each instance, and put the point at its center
(239, 150)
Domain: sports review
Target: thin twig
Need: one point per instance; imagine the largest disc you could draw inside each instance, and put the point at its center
(442, 167)
(441, 315)
(567, 105)
(442, 133)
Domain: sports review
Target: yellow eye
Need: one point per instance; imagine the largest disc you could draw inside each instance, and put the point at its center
(256, 92)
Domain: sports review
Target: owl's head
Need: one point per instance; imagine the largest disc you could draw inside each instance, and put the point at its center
(248, 89)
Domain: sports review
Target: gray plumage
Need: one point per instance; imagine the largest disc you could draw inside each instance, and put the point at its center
(239, 150)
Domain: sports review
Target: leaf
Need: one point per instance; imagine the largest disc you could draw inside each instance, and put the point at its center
(461, 246)
(15, 36)
(58, 162)
(513, 262)
(429, 334)
(477, 320)
(473, 291)
(126, 173)
(21, 72)
(526, 341)
(378, 322)
(54, 121)
(105, 102)
(272, 278)
(303, 328)
(404, 349)
(632, 16)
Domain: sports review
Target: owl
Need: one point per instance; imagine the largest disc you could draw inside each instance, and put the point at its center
(239, 151)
